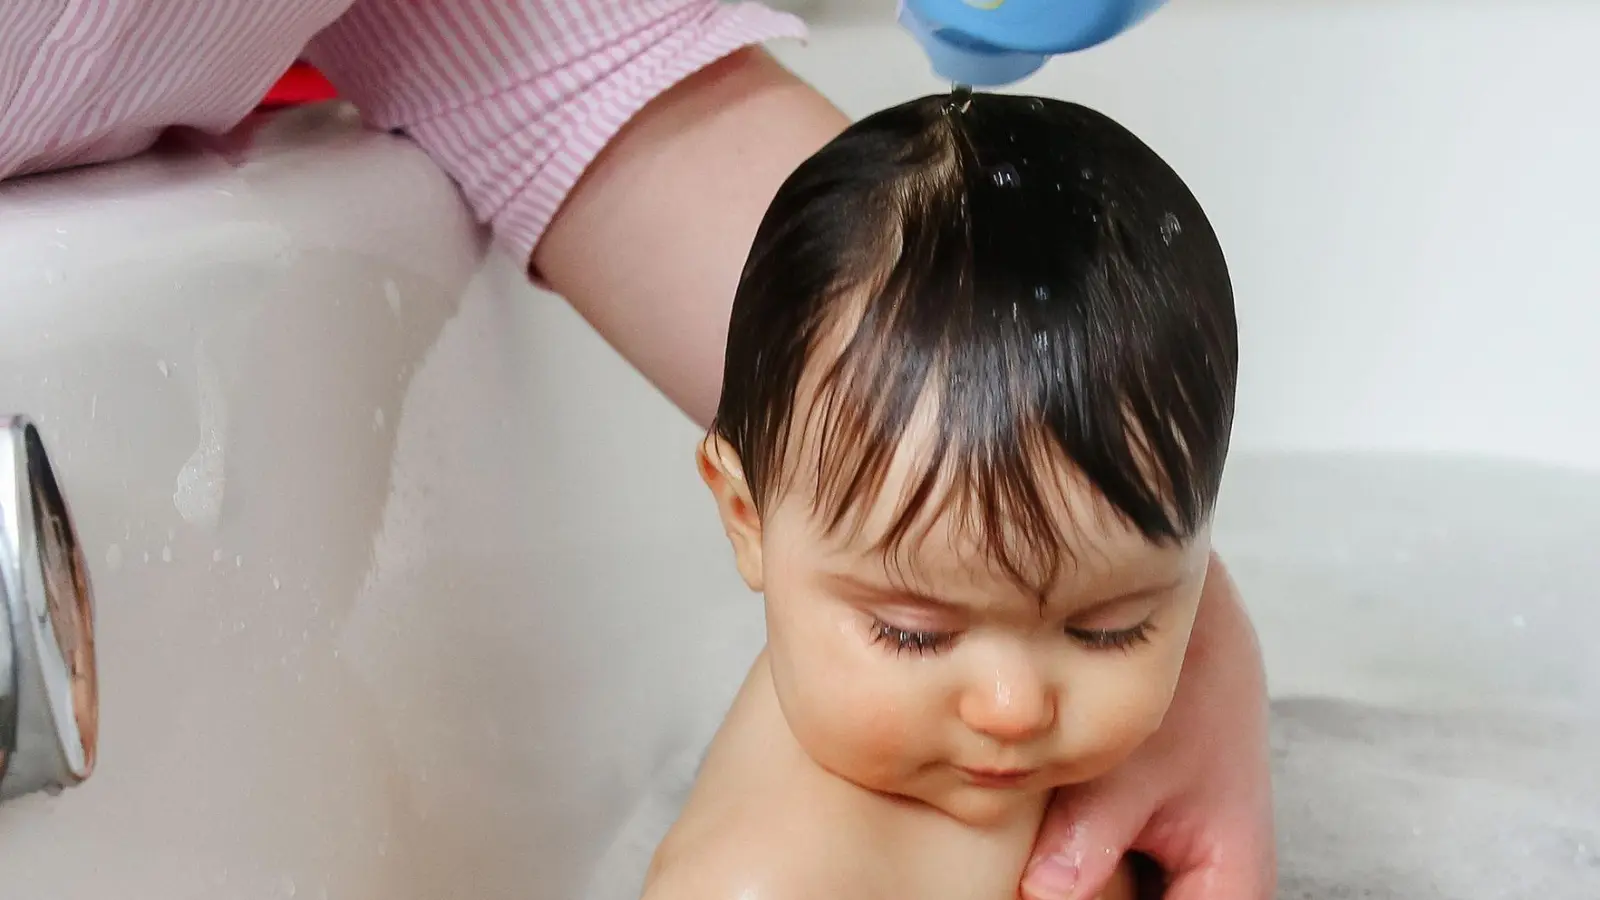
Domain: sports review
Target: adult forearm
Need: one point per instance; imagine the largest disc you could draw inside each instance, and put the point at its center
(649, 246)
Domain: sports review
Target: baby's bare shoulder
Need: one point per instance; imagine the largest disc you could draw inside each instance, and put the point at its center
(773, 860)
(769, 876)
(730, 883)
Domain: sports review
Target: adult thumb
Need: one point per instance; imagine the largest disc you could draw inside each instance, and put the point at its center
(1084, 836)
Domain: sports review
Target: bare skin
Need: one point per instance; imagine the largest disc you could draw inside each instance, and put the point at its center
(710, 155)
(728, 843)
(1197, 797)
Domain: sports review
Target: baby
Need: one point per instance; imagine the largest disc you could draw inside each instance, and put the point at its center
(978, 392)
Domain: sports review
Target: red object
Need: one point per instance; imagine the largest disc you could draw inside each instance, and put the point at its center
(301, 84)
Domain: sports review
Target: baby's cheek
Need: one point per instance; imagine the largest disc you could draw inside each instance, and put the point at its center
(871, 737)
(1126, 707)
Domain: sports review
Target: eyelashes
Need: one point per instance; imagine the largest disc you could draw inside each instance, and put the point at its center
(899, 640)
(1114, 638)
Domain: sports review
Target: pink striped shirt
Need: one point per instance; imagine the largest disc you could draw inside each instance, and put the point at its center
(512, 98)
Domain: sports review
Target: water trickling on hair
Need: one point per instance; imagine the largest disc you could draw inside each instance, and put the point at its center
(960, 98)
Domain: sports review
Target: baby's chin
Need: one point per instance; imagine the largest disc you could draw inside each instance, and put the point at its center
(934, 788)
(971, 805)
(990, 808)
(983, 806)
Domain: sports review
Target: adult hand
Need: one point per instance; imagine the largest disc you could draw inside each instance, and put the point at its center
(1196, 797)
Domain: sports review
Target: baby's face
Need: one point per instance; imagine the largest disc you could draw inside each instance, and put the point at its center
(942, 680)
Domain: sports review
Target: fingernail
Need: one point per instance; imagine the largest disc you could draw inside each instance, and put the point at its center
(1052, 879)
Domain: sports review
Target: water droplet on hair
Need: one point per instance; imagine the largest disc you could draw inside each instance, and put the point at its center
(1170, 228)
(1041, 293)
(1005, 175)
(960, 99)
(1036, 104)
(1086, 173)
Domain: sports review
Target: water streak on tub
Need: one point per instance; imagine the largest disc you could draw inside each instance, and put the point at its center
(202, 481)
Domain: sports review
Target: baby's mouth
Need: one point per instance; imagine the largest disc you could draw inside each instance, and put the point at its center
(999, 779)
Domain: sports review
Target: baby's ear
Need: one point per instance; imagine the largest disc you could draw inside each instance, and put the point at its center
(722, 471)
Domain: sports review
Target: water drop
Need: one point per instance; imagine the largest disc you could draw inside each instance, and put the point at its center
(114, 557)
(1005, 175)
(164, 368)
(1170, 228)
(238, 562)
(166, 554)
(391, 292)
(146, 555)
(1036, 104)
(216, 556)
(94, 406)
(276, 584)
(1086, 173)
(1041, 293)
(960, 98)
(200, 486)
(377, 419)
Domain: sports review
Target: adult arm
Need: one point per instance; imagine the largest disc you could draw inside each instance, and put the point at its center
(683, 189)
(627, 149)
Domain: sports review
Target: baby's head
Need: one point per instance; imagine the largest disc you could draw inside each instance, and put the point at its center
(978, 391)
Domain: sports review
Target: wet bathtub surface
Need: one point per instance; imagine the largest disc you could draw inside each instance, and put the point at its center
(1433, 623)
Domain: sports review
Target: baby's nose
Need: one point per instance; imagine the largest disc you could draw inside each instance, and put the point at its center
(1011, 707)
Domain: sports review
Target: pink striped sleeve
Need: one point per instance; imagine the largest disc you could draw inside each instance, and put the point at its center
(515, 98)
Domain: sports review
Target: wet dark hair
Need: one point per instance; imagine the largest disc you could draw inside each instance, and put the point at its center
(1032, 269)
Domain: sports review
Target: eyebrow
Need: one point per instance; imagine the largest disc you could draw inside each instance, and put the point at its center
(924, 599)
(898, 592)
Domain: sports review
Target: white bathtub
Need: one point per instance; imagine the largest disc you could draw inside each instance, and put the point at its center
(391, 607)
